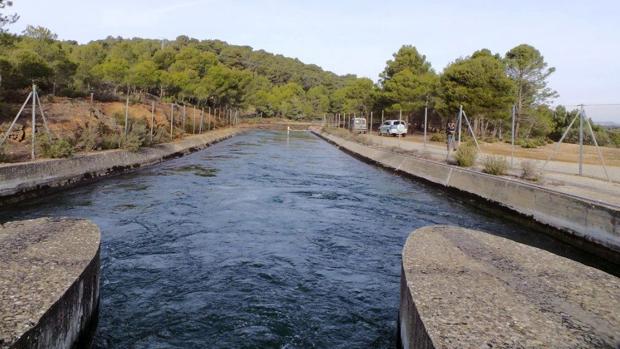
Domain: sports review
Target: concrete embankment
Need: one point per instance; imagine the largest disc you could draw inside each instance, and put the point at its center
(467, 289)
(30, 179)
(49, 283)
(592, 226)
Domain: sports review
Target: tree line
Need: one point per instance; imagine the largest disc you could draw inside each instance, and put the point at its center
(215, 73)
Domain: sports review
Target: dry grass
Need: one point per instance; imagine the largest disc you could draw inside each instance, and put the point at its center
(566, 152)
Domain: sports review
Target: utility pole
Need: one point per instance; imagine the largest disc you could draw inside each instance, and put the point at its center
(370, 128)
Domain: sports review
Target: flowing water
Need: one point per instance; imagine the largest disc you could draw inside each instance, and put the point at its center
(258, 242)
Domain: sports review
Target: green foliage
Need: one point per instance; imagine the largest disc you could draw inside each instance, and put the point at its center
(528, 69)
(532, 143)
(3, 155)
(407, 58)
(495, 165)
(480, 84)
(213, 73)
(466, 155)
(439, 137)
(136, 137)
(408, 91)
(111, 141)
(55, 148)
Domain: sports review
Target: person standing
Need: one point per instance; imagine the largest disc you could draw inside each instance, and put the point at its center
(450, 133)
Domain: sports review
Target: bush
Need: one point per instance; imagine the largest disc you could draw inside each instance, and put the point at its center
(160, 135)
(55, 149)
(495, 165)
(3, 156)
(88, 139)
(135, 137)
(466, 155)
(532, 143)
(438, 137)
(529, 171)
(119, 117)
(110, 141)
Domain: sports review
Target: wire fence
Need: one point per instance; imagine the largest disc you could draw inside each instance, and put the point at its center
(586, 139)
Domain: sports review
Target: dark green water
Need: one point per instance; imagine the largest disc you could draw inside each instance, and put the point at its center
(258, 242)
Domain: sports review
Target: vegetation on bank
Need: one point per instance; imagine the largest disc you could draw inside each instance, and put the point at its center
(212, 73)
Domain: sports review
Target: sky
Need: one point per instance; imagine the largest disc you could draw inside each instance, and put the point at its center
(581, 39)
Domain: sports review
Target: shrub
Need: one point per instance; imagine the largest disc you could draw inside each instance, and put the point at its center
(119, 117)
(160, 135)
(88, 139)
(135, 137)
(532, 143)
(529, 171)
(110, 141)
(438, 137)
(55, 149)
(466, 155)
(3, 156)
(495, 165)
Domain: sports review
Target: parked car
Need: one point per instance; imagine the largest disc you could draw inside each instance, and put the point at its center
(358, 125)
(393, 128)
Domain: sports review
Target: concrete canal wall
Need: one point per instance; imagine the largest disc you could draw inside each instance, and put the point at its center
(592, 226)
(49, 283)
(30, 179)
(467, 289)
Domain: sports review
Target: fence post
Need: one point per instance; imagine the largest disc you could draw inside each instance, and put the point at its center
(581, 141)
(425, 120)
(152, 118)
(171, 120)
(34, 106)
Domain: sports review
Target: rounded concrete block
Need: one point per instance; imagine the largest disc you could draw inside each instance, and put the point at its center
(462, 288)
(49, 282)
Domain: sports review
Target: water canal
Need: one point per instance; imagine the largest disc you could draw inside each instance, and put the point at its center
(258, 242)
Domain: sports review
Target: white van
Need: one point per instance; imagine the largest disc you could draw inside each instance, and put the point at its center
(358, 125)
(393, 128)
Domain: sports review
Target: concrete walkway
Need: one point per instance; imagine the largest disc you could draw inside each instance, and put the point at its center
(558, 175)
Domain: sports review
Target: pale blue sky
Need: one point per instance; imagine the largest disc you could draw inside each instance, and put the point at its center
(580, 38)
